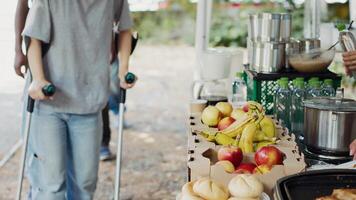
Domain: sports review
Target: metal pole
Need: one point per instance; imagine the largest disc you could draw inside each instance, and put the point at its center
(23, 156)
(119, 151)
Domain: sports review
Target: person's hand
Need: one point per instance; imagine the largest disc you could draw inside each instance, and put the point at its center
(35, 90)
(349, 61)
(122, 74)
(353, 149)
(19, 62)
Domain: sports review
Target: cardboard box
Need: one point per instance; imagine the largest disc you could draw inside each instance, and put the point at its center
(203, 156)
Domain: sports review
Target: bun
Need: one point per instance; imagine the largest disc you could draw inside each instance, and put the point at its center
(188, 193)
(238, 198)
(245, 186)
(210, 190)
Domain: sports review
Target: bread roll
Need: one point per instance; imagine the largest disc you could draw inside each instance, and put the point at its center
(210, 190)
(188, 193)
(245, 186)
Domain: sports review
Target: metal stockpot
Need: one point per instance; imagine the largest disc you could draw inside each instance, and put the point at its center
(308, 44)
(329, 125)
(270, 27)
(268, 57)
(286, 27)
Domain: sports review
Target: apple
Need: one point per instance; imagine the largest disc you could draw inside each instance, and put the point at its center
(232, 154)
(238, 113)
(225, 122)
(269, 155)
(228, 166)
(246, 108)
(262, 169)
(225, 108)
(245, 168)
(211, 116)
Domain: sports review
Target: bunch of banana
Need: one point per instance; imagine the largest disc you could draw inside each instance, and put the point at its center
(254, 107)
(219, 138)
(246, 140)
(238, 126)
(268, 127)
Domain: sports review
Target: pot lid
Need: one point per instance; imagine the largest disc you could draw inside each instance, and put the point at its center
(331, 103)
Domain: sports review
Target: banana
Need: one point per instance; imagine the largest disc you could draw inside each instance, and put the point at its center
(210, 137)
(188, 193)
(246, 140)
(237, 127)
(261, 136)
(224, 140)
(263, 144)
(268, 127)
(255, 106)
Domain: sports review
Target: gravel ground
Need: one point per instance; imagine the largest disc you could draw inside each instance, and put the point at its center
(154, 165)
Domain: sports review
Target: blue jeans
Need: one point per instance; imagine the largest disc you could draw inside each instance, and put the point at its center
(65, 155)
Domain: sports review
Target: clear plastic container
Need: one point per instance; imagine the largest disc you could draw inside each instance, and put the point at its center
(282, 104)
(297, 113)
(239, 91)
(310, 81)
(328, 89)
(314, 90)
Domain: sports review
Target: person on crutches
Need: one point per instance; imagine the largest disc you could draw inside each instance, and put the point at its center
(68, 47)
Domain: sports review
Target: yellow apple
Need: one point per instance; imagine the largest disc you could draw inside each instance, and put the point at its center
(228, 166)
(211, 116)
(225, 108)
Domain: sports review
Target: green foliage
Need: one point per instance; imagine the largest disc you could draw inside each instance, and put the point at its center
(228, 27)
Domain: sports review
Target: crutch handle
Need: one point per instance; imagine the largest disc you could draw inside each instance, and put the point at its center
(129, 78)
(48, 90)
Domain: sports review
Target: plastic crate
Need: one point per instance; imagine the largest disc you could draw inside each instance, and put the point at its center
(261, 87)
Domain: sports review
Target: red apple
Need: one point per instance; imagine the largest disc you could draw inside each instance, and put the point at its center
(245, 168)
(232, 154)
(225, 122)
(246, 108)
(262, 169)
(269, 155)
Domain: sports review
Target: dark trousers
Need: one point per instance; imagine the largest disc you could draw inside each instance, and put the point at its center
(106, 127)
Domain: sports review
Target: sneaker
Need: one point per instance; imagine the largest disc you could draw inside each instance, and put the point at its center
(105, 154)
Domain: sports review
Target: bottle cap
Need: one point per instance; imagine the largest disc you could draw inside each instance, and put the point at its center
(328, 82)
(283, 83)
(299, 79)
(298, 84)
(315, 84)
(313, 79)
(284, 79)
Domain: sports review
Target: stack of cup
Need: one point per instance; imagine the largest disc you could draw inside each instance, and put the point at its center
(268, 39)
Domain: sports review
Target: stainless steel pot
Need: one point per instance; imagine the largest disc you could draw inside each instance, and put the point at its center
(329, 125)
(286, 27)
(270, 27)
(308, 44)
(254, 27)
(268, 57)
